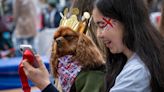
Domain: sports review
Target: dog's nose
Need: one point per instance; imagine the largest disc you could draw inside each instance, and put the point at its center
(59, 43)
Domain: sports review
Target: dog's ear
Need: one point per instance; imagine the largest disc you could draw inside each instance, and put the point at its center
(84, 41)
(87, 53)
(54, 60)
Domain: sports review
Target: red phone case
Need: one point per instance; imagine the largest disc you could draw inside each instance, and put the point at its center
(29, 55)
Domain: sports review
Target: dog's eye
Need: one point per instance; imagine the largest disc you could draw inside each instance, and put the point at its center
(67, 37)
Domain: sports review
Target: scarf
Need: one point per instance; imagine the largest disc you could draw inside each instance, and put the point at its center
(68, 71)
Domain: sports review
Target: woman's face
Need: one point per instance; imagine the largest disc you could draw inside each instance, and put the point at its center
(110, 31)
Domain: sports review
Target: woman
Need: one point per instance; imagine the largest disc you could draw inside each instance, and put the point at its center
(136, 56)
(25, 18)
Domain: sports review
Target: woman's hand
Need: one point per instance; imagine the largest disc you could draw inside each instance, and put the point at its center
(39, 76)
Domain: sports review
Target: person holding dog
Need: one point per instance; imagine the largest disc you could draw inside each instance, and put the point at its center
(135, 57)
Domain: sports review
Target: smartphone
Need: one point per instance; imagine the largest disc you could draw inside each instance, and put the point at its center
(24, 47)
(29, 54)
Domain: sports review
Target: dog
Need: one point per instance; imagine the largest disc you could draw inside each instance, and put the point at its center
(83, 51)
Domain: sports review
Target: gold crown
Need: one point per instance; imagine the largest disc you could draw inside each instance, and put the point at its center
(69, 19)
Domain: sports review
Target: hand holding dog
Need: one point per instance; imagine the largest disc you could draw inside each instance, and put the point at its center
(39, 76)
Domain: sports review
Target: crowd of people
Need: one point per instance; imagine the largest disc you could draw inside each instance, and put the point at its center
(22, 20)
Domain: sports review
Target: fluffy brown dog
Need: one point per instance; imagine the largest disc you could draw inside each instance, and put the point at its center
(83, 50)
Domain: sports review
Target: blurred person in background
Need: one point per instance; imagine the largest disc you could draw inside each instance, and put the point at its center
(42, 5)
(6, 29)
(161, 26)
(52, 16)
(6, 48)
(24, 12)
(154, 7)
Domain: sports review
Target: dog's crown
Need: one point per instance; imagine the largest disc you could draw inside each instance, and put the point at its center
(69, 19)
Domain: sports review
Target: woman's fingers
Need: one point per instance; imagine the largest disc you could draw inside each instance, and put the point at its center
(39, 60)
(27, 67)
